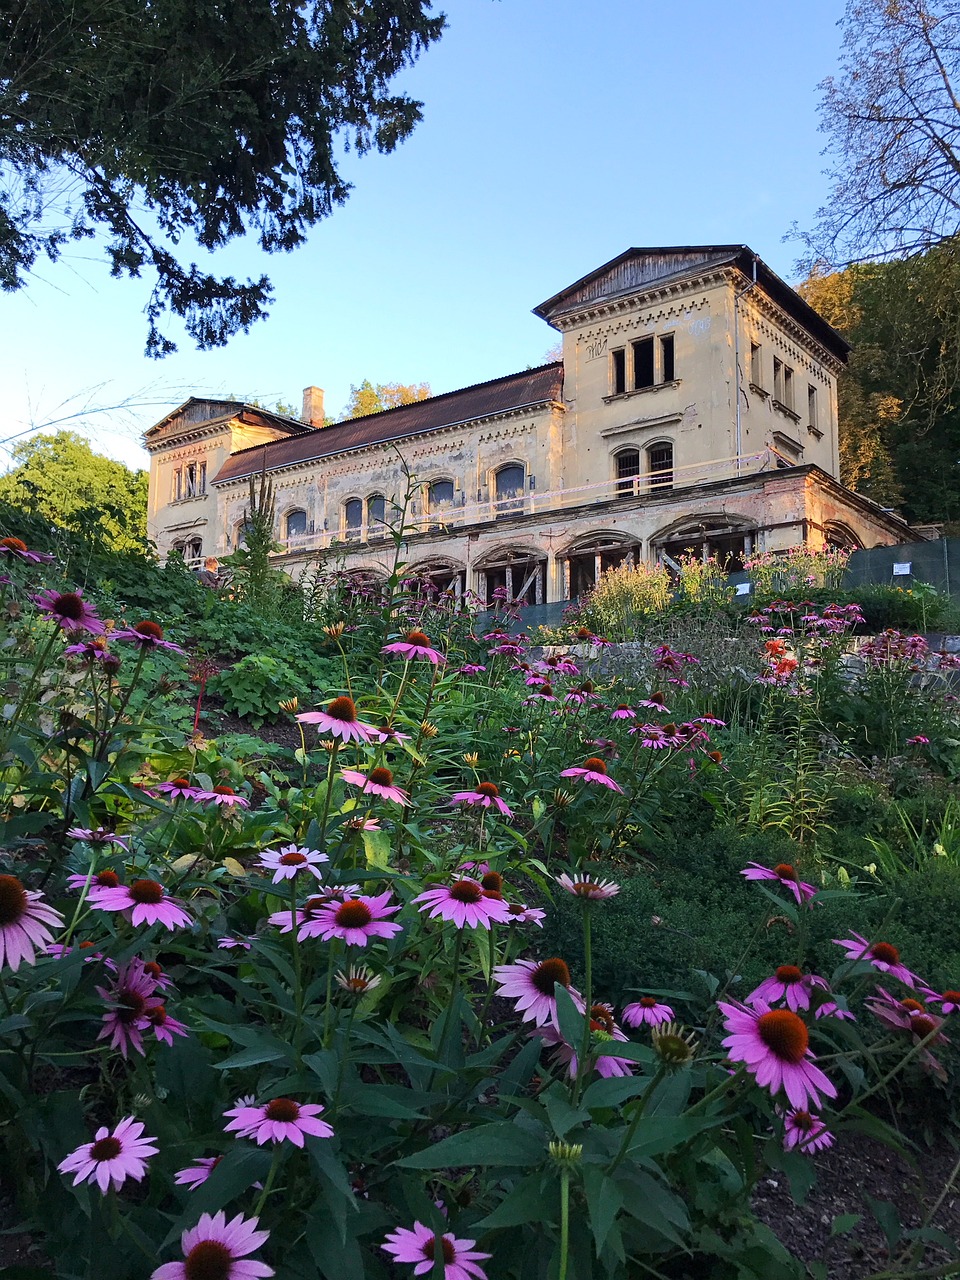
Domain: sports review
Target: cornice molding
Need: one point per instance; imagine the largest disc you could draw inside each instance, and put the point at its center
(609, 308)
(200, 431)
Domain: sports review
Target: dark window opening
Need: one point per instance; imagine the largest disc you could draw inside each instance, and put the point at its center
(756, 364)
(521, 579)
(812, 406)
(660, 458)
(191, 480)
(619, 368)
(296, 524)
(376, 515)
(353, 518)
(509, 489)
(587, 564)
(643, 375)
(440, 494)
(628, 468)
(788, 387)
(202, 478)
(666, 359)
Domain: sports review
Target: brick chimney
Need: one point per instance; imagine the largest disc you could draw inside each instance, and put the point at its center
(312, 406)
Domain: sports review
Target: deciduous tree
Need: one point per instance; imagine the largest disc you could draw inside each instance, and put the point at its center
(370, 398)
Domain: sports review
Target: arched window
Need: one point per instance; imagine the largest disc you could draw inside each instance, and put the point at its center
(440, 494)
(353, 519)
(660, 464)
(240, 533)
(627, 464)
(508, 486)
(193, 549)
(296, 524)
(376, 515)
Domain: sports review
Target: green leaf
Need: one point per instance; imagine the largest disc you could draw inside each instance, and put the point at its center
(887, 1216)
(569, 1017)
(604, 1202)
(239, 1169)
(614, 1091)
(253, 1057)
(525, 1203)
(843, 1223)
(562, 1115)
(376, 846)
(499, 1143)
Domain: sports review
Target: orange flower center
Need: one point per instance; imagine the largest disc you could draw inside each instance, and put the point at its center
(548, 973)
(14, 544)
(106, 1149)
(353, 914)
(789, 973)
(381, 777)
(784, 1034)
(912, 1006)
(418, 637)
(224, 791)
(922, 1025)
(601, 1019)
(283, 1109)
(487, 789)
(802, 1120)
(158, 1015)
(148, 628)
(180, 782)
(446, 1248)
(153, 969)
(595, 765)
(587, 686)
(466, 891)
(146, 891)
(584, 634)
(69, 605)
(342, 709)
(492, 880)
(953, 997)
(648, 1002)
(294, 859)
(208, 1260)
(107, 879)
(885, 953)
(785, 871)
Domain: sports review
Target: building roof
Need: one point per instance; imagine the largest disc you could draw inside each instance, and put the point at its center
(197, 410)
(640, 269)
(515, 391)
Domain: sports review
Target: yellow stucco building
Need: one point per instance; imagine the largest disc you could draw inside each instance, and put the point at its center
(694, 408)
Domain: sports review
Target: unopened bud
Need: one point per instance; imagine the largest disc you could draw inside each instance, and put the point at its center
(562, 798)
(290, 705)
(429, 730)
(335, 630)
(674, 1048)
(565, 1153)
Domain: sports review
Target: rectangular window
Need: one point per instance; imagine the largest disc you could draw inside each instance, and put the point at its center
(661, 466)
(812, 407)
(787, 397)
(177, 485)
(618, 369)
(191, 480)
(628, 468)
(202, 478)
(666, 359)
(756, 364)
(778, 379)
(643, 363)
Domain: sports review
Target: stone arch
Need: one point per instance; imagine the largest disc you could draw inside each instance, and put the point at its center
(439, 574)
(840, 537)
(591, 554)
(729, 537)
(512, 572)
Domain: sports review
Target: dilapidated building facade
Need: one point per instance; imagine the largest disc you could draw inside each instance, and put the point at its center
(694, 409)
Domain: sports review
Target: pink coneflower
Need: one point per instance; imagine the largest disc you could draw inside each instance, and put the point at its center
(790, 984)
(339, 721)
(592, 770)
(533, 986)
(419, 1246)
(484, 794)
(520, 914)
(98, 882)
(385, 734)
(882, 955)
(656, 702)
(949, 1002)
(25, 923)
(465, 904)
(774, 1045)
(647, 1010)
(356, 920)
(148, 635)
(786, 874)
(289, 861)
(17, 547)
(278, 1121)
(918, 740)
(233, 944)
(164, 1026)
(224, 797)
(91, 651)
(805, 1132)
(69, 610)
(623, 712)
(415, 645)
(379, 782)
(129, 1001)
(144, 902)
(196, 1174)
(540, 692)
(472, 668)
(179, 789)
(584, 887)
(602, 1025)
(830, 1009)
(112, 1157)
(285, 920)
(99, 835)
(217, 1250)
(58, 951)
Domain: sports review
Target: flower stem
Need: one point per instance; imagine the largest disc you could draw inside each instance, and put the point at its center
(564, 1223)
(268, 1185)
(583, 1064)
(637, 1116)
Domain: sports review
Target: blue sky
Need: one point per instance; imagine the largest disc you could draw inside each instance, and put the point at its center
(556, 134)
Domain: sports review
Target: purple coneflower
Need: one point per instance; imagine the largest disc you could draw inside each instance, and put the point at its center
(144, 902)
(224, 796)
(786, 874)
(278, 1121)
(216, 1249)
(415, 645)
(233, 944)
(805, 1132)
(602, 1025)
(90, 651)
(949, 1002)
(472, 668)
(339, 721)
(148, 635)
(484, 794)
(289, 861)
(775, 1046)
(355, 920)
(623, 712)
(647, 1010)
(357, 980)
(465, 904)
(69, 610)
(196, 1174)
(583, 887)
(17, 547)
(129, 1001)
(592, 770)
(520, 914)
(882, 955)
(790, 984)
(99, 836)
(830, 1009)
(164, 1026)
(179, 789)
(112, 1157)
(361, 824)
(918, 740)
(533, 986)
(419, 1246)
(655, 702)
(25, 923)
(97, 883)
(378, 782)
